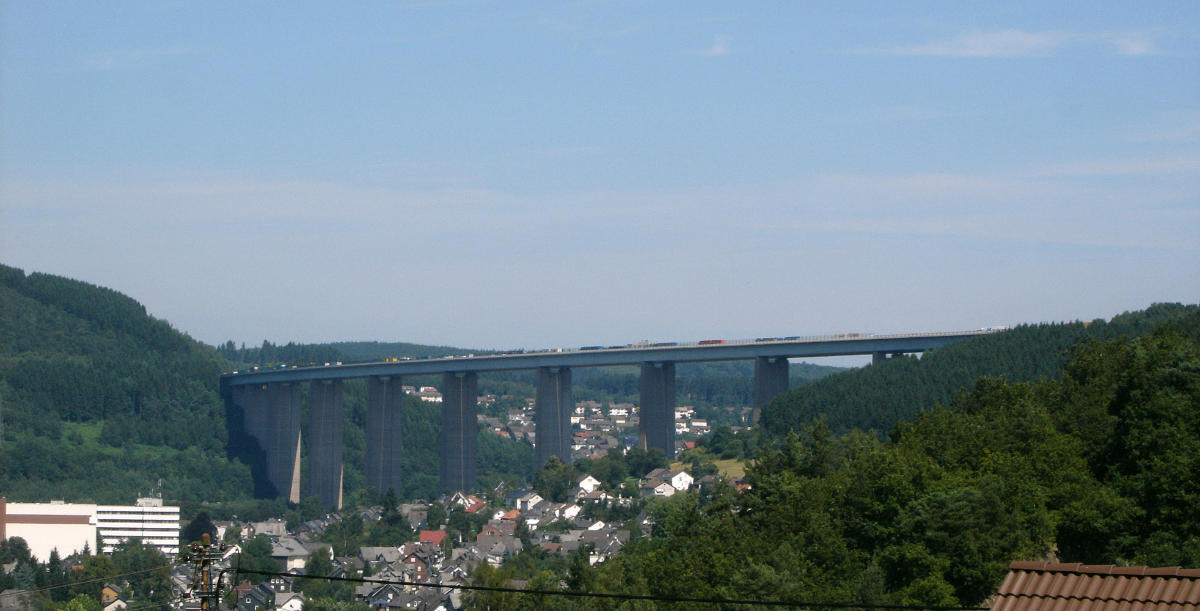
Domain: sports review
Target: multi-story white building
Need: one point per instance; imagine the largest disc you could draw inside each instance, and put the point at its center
(70, 527)
(148, 520)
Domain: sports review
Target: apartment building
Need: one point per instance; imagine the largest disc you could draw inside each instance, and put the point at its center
(148, 520)
(69, 527)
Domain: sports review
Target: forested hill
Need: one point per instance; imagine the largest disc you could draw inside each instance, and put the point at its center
(102, 401)
(879, 396)
(269, 354)
(1097, 467)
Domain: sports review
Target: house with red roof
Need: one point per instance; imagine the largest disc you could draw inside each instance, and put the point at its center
(432, 536)
(1038, 586)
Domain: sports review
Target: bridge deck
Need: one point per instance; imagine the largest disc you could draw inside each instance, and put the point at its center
(626, 355)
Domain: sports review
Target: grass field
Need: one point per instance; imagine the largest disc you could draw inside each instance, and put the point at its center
(731, 468)
(89, 431)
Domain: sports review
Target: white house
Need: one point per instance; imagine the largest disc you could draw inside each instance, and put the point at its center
(680, 480)
(570, 512)
(529, 501)
(656, 488)
(289, 601)
(589, 483)
(293, 554)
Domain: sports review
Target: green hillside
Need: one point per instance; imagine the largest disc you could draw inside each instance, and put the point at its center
(879, 396)
(1097, 464)
(378, 351)
(102, 402)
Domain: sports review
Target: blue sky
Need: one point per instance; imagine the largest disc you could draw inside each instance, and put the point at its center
(566, 173)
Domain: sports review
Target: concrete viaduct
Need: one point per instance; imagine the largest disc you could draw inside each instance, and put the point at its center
(269, 401)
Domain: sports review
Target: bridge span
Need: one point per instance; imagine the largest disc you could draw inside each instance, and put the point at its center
(268, 401)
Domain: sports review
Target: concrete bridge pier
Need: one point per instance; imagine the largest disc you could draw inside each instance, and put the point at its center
(325, 447)
(251, 404)
(385, 447)
(459, 430)
(552, 414)
(255, 411)
(770, 381)
(282, 444)
(658, 407)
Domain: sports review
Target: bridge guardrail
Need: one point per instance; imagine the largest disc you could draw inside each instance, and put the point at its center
(649, 345)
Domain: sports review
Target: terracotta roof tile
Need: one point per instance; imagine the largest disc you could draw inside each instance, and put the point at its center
(1046, 586)
(432, 536)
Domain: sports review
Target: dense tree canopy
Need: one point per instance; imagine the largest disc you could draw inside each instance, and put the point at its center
(197, 528)
(556, 480)
(878, 396)
(95, 390)
(1076, 442)
(1102, 466)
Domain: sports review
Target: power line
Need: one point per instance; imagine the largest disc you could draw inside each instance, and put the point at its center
(86, 581)
(795, 604)
(145, 606)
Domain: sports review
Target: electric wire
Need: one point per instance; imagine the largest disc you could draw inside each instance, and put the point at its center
(86, 581)
(145, 606)
(794, 604)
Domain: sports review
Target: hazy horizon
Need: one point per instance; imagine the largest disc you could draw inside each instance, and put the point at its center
(493, 176)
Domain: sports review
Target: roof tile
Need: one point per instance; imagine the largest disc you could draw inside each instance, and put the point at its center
(1046, 586)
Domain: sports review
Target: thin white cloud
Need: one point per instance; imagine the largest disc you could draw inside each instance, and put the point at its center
(1004, 43)
(1151, 206)
(1133, 43)
(193, 250)
(720, 46)
(1024, 43)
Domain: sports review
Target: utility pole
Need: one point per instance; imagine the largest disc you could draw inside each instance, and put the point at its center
(203, 555)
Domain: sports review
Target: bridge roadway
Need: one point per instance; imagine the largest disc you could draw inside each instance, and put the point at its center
(268, 402)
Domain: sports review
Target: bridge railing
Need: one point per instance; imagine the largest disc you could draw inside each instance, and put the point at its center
(646, 344)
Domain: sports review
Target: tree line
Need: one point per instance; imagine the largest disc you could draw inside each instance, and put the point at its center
(876, 397)
(141, 572)
(100, 400)
(1097, 465)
